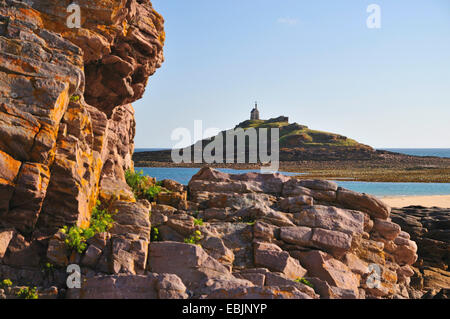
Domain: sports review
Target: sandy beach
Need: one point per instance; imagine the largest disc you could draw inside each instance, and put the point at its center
(442, 201)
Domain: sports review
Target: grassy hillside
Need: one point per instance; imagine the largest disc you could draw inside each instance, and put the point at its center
(297, 143)
(296, 135)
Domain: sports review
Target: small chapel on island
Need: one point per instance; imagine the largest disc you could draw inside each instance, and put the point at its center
(254, 114)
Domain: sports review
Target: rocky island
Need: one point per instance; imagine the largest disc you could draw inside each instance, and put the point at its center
(317, 154)
(77, 222)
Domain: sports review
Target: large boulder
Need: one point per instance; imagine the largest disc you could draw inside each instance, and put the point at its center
(387, 229)
(279, 280)
(334, 242)
(295, 204)
(216, 248)
(321, 191)
(131, 218)
(429, 228)
(331, 218)
(151, 286)
(130, 237)
(326, 291)
(296, 235)
(199, 272)
(264, 213)
(363, 202)
(320, 185)
(234, 241)
(274, 258)
(326, 268)
(214, 181)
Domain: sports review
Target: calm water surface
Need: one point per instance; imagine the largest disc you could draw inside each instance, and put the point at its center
(183, 175)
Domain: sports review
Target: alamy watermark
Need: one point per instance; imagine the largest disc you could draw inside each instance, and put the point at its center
(374, 279)
(249, 145)
(74, 19)
(374, 19)
(74, 279)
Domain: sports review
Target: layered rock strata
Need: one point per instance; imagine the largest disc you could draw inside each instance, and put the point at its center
(66, 125)
(429, 228)
(264, 236)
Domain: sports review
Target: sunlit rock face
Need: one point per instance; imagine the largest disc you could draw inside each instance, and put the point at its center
(65, 114)
(122, 41)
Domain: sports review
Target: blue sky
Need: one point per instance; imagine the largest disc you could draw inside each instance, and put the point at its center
(314, 61)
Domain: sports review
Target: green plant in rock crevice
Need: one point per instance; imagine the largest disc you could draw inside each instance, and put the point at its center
(247, 220)
(76, 237)
(48, 268)
(151, 192)
(155, 235)
(142, 186)
(5, 283)
(304, 281)
(194, 239)
(74, 98)
(198, 222)
(27, 293)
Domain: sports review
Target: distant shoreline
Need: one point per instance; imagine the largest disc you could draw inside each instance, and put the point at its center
(388, 166)
(421, 152)
(407, 169)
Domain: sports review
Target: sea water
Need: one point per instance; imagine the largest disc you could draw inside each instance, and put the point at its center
(184, 175)
(439, 152)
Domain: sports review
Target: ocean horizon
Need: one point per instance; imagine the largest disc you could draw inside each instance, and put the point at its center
(439, 152)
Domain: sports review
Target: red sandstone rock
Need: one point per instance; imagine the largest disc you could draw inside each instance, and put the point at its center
(119, 143)
(190, 262)
(122, 43)
(5, 239)
(332, 271)
(266, 232)
(295, 204)
(334, 242)
(363, 202)
(320, 185)
(331, 218)
(250, 182)
(259, 293)
(296, 235)
(279, 280)
(32, 183)
(275, 259)
(151, 286)
(322, 191)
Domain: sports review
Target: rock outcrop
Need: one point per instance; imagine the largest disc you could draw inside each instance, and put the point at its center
(65, 118)
(122, 43)
(243, 240)
(66, 125)
(429, 228)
